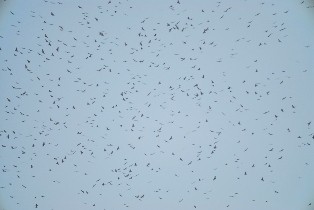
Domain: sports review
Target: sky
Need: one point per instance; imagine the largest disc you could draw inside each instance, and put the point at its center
(168, 104)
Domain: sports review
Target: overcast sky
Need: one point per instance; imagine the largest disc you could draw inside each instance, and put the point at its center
(142, 104)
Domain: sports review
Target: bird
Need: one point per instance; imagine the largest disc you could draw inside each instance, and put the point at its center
(119, 98)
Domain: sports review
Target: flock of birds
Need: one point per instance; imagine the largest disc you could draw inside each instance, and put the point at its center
(155, 105)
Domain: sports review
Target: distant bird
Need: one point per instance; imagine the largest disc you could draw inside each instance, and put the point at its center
(114, 93)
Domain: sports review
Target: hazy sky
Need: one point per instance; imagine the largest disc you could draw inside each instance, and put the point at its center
(142, 104)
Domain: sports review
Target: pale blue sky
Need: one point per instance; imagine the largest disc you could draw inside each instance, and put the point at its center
(169, 105)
